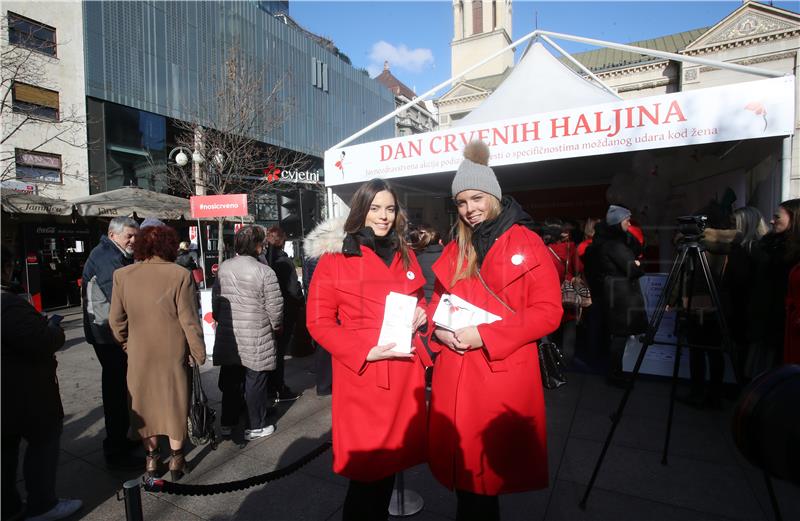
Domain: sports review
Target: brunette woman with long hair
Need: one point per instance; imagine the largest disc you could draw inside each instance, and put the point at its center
(774, 260)
(487, 420)
(154, 317)
(378, 392)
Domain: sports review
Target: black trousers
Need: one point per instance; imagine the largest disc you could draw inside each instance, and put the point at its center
(114, 363)
(477, 507)
(231, 384)
(323, 369)
(240, 385)
(39, 469)
(276, 379)
(616, 350)
(368, 500)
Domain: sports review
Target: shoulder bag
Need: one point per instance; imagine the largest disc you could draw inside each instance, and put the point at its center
(551, 361)
(201, 416)
(570, 299)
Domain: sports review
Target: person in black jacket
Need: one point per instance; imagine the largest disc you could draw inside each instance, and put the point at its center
(427, 245)
(185, 257)
(616, 272)
(293, 299)
(114, 251)
(31, 405)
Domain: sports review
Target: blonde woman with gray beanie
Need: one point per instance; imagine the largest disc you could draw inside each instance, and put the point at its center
(487, 419)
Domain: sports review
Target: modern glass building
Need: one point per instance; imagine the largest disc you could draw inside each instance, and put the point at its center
(150, 63)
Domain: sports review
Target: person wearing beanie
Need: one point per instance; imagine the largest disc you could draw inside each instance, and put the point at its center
(496, 263)
(617, 214)
(151, 221)
(613, 272)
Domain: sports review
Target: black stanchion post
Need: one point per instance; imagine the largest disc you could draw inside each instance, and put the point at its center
(132, 490)
(404, 502)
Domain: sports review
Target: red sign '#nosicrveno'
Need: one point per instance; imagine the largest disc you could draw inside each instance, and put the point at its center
(232, 205)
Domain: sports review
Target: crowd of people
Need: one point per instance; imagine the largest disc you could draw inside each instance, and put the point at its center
(467, 400)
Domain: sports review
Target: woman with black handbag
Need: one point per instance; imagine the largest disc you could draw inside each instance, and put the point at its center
(487, 419)
(154, 317)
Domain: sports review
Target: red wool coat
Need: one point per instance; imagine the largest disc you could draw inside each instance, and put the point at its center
(487, 420)
(378, 407)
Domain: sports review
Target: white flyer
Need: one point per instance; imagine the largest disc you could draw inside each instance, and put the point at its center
(398, 322)
(453, 312)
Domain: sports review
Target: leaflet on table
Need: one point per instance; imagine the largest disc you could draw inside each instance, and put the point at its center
(453, 312)
(398, 322)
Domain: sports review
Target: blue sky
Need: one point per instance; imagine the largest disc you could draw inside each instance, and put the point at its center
(415, 35)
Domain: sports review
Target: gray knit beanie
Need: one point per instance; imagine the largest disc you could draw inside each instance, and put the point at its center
(150, 221)
(616, 214)
(474, 173)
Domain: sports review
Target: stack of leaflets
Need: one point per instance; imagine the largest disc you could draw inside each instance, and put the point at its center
(453, 313)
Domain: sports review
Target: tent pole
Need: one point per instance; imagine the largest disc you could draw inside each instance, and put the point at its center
(786, 169)
(581, 66)
(666, 55)
(421, 97)
(590, 41)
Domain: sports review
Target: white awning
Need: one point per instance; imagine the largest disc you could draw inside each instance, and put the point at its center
(539, 83)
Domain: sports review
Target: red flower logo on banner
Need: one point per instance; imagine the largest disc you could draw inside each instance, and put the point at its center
(273, 173)
(758, 109)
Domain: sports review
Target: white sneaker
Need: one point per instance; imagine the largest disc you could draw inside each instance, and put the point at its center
(64, 508)
(258, 433)
(225, 430)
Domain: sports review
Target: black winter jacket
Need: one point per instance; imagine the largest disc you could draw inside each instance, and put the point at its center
(611, 269)
(31, 402)
(98, 281)
(426, 258)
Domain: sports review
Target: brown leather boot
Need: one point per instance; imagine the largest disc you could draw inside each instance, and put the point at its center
(151, 462)
(177, 464)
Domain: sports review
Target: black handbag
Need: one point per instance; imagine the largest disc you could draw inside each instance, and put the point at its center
(201, 416)
(551, 365)
(551, 361)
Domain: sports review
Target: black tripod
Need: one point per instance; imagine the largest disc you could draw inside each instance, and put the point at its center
(690, 253)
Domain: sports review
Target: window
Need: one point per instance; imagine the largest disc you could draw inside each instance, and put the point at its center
(31, 34)
(319, 74)
(477, 16)
(38, 166)
(35, 101)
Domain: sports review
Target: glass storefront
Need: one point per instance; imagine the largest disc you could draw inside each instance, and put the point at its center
(128, 147)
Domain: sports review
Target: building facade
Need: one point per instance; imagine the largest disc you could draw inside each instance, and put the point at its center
(415, 119)
(480, 29)
(44, 115)
(151, 62)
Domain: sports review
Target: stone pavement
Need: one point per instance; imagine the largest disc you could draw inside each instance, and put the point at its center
(706, 479)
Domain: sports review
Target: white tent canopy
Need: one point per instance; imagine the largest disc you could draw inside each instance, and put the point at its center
(539, 83)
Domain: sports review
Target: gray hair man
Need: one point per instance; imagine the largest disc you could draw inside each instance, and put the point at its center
(114, 251)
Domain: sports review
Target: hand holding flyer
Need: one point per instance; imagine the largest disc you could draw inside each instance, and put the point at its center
(398, 320)
(453, 313)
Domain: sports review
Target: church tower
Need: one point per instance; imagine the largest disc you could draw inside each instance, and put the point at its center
(481, 28)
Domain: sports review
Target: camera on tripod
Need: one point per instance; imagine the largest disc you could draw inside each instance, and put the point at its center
(692, 226)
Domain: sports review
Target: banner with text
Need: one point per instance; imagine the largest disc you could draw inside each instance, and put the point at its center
(755, 109)
(231, 205)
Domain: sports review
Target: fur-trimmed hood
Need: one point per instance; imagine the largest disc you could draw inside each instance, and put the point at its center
(327, 237)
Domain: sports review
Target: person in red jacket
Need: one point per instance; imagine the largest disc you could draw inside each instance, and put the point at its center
(378, 394)
(486, 433)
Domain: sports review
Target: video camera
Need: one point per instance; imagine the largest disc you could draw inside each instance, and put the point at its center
(692, 225)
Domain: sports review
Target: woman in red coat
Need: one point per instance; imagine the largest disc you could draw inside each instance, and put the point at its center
(378, 394)
(486, 432)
